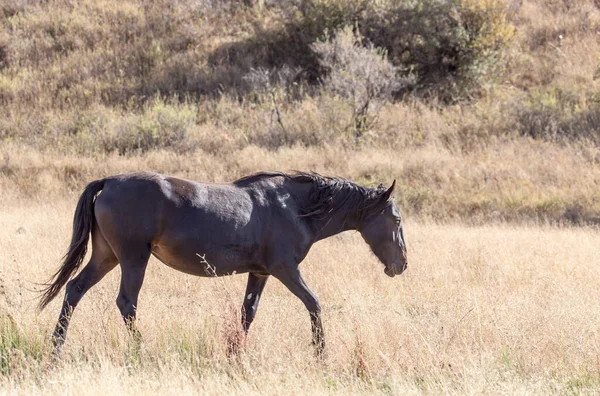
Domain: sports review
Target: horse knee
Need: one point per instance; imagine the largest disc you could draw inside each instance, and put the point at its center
(123, 303)
(70, 288)
(313, 307)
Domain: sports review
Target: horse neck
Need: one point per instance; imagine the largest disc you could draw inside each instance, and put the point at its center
(332, 225)
(324, 225)
(343, 219)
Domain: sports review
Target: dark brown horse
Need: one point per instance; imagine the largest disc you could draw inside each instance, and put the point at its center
(263, 224)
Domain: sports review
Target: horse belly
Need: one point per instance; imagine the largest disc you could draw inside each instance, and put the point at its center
(201, 260)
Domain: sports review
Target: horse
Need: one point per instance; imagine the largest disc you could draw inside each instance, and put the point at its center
(263, 224)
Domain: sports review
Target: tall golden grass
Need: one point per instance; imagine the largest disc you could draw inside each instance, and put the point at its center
(486, 310)
(518, 180)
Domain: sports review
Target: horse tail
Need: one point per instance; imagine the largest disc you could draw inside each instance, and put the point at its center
(82, 226)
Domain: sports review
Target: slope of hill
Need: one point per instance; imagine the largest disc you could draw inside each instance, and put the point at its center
(493, 113)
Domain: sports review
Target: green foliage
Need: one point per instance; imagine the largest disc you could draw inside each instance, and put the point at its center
(560, 115)
(454, 47)
(17, 349)
(320, 16)
(158, 126)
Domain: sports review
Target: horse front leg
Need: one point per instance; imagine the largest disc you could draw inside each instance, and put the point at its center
(254, 289)
(293, 280)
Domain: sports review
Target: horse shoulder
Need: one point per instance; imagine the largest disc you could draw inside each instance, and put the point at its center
(290, 236)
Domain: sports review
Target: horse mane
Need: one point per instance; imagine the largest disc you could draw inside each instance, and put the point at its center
(258, 175)
(330, 194)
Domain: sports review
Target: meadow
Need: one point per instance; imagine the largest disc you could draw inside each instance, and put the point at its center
(486, 112)
(481, 310)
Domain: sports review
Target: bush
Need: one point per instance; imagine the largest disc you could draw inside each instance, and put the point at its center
(360, 74)
(560, 115)
(158, 126)
(319, 16)
(454, 47)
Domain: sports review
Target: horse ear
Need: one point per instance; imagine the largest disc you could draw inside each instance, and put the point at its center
(387, 195)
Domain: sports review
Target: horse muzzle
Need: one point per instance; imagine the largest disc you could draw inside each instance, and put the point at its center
(395, 269)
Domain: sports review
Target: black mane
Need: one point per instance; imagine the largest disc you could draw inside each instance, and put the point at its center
(330, 194)
(258, 175)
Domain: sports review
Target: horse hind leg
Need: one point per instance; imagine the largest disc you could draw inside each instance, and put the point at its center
(133, 269)
(102, 261)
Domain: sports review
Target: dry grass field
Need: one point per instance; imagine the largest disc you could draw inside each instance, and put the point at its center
(481, 310)
(486, 112)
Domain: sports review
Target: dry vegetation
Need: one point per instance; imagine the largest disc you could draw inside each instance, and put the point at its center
(492, 310)
(487, 112)
(494, 113)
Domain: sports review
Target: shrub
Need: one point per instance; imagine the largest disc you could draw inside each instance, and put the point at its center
(560, 115)
(319, 16)
(360, 74)
(158, 126)
(454, 47)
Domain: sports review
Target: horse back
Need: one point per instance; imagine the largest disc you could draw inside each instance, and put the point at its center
(230, 223)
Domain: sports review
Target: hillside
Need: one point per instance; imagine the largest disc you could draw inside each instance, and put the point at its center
(482, 109)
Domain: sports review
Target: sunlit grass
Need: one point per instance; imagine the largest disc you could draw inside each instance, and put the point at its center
(496, 309)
